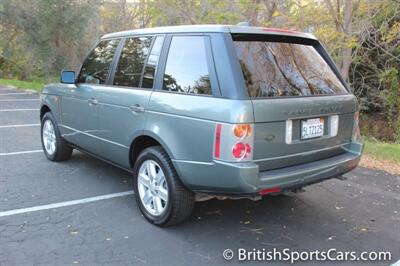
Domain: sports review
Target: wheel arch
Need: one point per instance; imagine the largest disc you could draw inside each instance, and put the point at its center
(143, 141)
(43, 110)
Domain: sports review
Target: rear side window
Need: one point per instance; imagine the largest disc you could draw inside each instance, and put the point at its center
(186, 69)
(131, 61)
(97, 65)
(274, 69)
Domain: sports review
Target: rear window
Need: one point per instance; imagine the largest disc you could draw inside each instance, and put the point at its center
(276, 69)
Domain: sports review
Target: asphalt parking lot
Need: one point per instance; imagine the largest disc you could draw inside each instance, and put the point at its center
(83, 212)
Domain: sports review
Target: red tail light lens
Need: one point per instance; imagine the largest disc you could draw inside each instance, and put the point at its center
(248, 148)
(241, 150)
(217, 141)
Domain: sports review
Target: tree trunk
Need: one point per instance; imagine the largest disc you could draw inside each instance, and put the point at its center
(347, 28)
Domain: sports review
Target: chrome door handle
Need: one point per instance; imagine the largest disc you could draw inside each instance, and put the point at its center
(93, 101)
(137, 108)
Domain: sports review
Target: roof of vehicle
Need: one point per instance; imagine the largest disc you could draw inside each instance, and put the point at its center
(211, 29)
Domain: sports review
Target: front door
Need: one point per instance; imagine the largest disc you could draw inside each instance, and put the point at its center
(80, 104)
(80, 117)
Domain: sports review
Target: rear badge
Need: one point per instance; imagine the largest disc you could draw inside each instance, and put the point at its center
(270, 137)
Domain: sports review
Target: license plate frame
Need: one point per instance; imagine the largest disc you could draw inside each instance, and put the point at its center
(312, 128)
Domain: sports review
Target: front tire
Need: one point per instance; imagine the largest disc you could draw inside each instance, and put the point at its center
(54, 146)
(159, 193)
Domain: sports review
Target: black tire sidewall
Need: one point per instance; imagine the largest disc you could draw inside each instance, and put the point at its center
(151, 154)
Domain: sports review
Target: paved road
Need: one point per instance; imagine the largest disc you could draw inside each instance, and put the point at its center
(359, 214)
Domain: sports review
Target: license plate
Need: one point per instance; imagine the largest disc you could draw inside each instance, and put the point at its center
(312, 128)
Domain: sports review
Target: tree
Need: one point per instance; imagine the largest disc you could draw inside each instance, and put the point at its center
(52, 30)
(342, 15)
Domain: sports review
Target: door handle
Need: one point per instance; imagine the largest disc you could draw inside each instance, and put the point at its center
(137, 108)
(93, 101)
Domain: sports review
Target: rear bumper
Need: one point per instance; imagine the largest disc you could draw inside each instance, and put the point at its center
(238, 179)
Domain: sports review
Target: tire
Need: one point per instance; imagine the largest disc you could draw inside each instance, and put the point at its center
(60, 151)
(180, 200)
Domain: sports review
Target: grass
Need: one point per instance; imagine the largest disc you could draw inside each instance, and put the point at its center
(32, 85)
(382, 150)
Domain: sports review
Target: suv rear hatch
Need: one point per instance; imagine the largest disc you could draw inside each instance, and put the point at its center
(302, 110)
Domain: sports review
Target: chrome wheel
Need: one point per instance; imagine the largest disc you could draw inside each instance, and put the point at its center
(152, 187)
(49, 137)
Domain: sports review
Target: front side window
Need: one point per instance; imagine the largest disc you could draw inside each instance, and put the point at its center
(186, 69)
(97, 65)
(274, 69)
(131, 61)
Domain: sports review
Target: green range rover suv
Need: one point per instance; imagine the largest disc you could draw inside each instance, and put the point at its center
(196, 112)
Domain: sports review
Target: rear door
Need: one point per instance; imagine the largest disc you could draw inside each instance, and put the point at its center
(123, 104)
(302, 109)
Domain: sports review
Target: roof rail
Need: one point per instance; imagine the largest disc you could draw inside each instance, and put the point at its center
(244, 24)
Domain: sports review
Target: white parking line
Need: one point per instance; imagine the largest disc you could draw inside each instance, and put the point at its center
(65, 203)
(16, 93)
(19, 152)
(18, 100)
(18, 110)
(23, 125)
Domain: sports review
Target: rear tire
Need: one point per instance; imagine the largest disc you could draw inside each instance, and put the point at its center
(162, 203)
(54, 146)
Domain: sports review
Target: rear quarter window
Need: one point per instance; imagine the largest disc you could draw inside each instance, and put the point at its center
(186, 69)
(278, 69)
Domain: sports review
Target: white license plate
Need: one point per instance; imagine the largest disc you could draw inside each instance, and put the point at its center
(312, 128)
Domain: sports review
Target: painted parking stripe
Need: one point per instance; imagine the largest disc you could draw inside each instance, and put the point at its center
(19, 152)
(18, 100)
(18, 110)
(17, 93)
(23, 125)
(65, 203)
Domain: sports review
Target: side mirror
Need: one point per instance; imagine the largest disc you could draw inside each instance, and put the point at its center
(68, 77)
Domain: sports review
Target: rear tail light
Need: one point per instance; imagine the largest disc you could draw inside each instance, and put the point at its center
(356, 127)
(233, 142)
